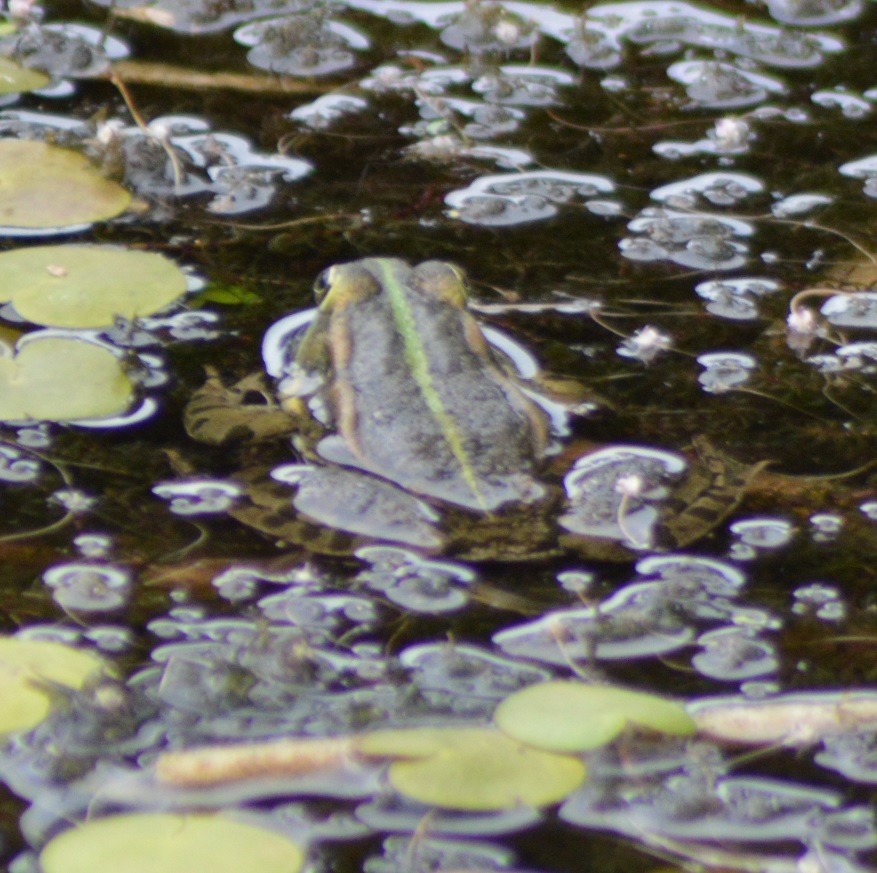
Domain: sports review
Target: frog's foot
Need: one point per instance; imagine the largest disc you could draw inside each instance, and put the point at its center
(219, 415)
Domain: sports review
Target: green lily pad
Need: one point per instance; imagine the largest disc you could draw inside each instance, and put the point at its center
(62, 379)
(15, 79)
(164, 843)
(474, 769)
(571, 716)
(87, 285)
(43, 186)
(24, 664)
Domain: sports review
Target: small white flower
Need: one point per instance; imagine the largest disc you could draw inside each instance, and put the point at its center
(108, 132)
(74, 500)
(630, 485)
(507, 32)
(802, 320)
(730, 133)
(159, 130)
(645, 345)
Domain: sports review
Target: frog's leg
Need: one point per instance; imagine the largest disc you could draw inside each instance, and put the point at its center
(343, 392)
(536, 418)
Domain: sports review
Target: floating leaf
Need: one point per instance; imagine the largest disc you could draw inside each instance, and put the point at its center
(572, 716)
(24, 664)
(15, 79)
(62, 379)
(475, 769)
(43, 186)
(164, 843)
(87, 285)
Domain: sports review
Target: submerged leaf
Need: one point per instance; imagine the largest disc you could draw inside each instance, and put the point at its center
(571, 716)
(61, 379)
(163, 843)
(24, 665)
(43, 186)
(87, 285)
(475, 769)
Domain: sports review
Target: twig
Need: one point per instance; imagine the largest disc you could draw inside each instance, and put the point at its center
(169, 76)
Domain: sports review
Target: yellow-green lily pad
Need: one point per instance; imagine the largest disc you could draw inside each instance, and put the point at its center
(87, 285)
(571, 716)
(15, 79)
(473, 769)
(24, 664)
(62, 379)
(43, 186)
(166, 843)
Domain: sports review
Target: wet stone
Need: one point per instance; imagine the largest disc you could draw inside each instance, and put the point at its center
(856, 310)
(735, 654)
(696, 241)
(487, 27)
(399, 852)
(302, 45)
(854, 755)
(717, 85)
(813, 12)
(735, 299)
(614, 493)
(821, 600)
(62, 50)
(199, 496)
(415, 583)
(724, 371)
(468, 671)
(638, 621)
(17, 466)
(88, 586)
(691, 807)
(208, 16)
(593, 50)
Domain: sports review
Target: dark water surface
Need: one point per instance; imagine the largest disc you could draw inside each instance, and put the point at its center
(659, 180)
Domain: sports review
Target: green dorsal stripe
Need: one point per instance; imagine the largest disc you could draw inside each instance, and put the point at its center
(417, 359)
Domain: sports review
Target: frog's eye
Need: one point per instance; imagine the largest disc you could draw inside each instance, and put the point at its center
(323, 283)
(445, 281)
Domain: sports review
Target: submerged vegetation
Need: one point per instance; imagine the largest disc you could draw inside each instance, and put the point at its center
(615, 609)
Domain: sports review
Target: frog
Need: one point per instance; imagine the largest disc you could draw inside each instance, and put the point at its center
(410, 423)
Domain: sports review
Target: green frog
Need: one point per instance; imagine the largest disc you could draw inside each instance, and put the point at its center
(417, 427)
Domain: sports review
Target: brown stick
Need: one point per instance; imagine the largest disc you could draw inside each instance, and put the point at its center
(167, 76)
(217, 765)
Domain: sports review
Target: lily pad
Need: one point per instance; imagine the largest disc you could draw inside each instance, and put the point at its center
(571, 716)
(62, 379)
(43, 186)
(164, 843)
(24, 664)
(15, 79)
(87, 285)
(473, 769)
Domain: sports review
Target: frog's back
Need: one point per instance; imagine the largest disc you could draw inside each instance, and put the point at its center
(401, 426)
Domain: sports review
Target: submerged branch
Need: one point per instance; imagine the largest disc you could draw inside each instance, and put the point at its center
(217, 765)
(168, 76)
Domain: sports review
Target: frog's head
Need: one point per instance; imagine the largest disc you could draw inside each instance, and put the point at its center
(447, 282)
(344, 284)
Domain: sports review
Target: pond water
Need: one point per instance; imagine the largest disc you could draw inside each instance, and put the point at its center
(668, 205)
